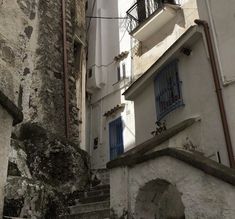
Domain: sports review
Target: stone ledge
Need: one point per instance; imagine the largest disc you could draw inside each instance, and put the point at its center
(196, 160)
(159, 139)
(11, 108)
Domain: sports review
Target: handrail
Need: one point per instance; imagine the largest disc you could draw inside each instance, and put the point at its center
(141, 10)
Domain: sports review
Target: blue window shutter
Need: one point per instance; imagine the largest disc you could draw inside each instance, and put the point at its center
(116, 138)
(167, 87)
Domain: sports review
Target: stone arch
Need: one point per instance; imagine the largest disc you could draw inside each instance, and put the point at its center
(159, 199)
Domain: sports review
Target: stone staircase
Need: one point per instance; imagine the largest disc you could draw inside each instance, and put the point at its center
(95, 202)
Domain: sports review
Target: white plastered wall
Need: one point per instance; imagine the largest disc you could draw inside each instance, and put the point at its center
(221, 20)
(105, 36)
(203, 196)
(199, 97)
(152, 48)
(5, 138)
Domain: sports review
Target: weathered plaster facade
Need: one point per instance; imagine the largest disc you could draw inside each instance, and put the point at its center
(146, 52)
(197, 102)
(208, 136)
(170, 173)
(107, 39)
(202, 195)
(222, 32)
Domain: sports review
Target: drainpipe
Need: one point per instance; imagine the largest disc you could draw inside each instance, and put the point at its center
(216, 47)
(65, 69)
(218, 90)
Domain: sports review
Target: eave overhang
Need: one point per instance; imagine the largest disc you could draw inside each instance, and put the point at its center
(11, 108)
(186, 40)
(155, 22)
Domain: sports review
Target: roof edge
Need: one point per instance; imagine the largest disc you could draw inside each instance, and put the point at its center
(11, 108)
(156, 140)
(196, 160)
(169, 53)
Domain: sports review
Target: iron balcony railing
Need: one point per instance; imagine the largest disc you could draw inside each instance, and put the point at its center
(142, 10)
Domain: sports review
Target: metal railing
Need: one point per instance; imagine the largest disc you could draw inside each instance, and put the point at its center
(141, 10)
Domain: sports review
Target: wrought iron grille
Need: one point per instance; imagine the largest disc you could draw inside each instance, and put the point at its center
(141, 10)
(167, 90)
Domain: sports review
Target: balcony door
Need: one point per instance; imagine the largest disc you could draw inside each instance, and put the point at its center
(141, 10)
(146, 7)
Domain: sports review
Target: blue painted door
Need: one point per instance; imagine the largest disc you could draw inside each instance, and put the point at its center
(116, 138)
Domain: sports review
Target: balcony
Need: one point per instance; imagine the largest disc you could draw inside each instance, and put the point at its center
(148, 16)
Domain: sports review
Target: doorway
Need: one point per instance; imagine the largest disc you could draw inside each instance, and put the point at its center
(116, 138)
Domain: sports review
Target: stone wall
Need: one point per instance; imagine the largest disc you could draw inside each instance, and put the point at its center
(32, 76)
(31, 57)
(45, 171)
(48, 84)
(17, 19)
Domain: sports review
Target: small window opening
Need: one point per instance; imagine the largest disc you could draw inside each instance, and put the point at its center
(90, 73)
(118, 73)
(124, 70)
(77, 50)
(218, 157)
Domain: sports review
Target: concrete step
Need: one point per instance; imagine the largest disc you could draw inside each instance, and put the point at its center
(98, 198)
(102, 214)
(96, 192)
(100, 187)
(102, 175)
(7, 217)
(89, 207)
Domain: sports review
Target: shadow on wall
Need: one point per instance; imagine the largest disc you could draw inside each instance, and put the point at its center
(166, 31)
(159, 199)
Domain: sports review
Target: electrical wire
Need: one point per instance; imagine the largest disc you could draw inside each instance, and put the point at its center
(132, 50)
(126, 29)
(109, 18)
(100, 66)
(122, 23)
(92, 11)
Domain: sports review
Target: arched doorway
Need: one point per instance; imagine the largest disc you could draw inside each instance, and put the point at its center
(158, 199)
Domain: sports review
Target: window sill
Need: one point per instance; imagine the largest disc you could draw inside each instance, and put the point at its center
(171, 108)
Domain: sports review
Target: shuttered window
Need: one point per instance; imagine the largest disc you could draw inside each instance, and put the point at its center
(116, 138)
(167, 90)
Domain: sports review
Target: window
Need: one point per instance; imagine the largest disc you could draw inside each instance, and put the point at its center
(123, 70)
(77, 50)
(167, 90)
(90, 73)
(146, 7)
(118, 73)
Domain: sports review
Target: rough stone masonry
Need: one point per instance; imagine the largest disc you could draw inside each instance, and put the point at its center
(31, 65)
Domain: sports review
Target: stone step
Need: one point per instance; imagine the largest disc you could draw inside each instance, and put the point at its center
(89, 207)
(92, 199)
(100, 187)
(102, 175)
(7, 217)
(101, 214)
(96, 192)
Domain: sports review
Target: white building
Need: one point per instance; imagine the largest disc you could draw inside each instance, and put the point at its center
(185, 78)
(110, 119)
